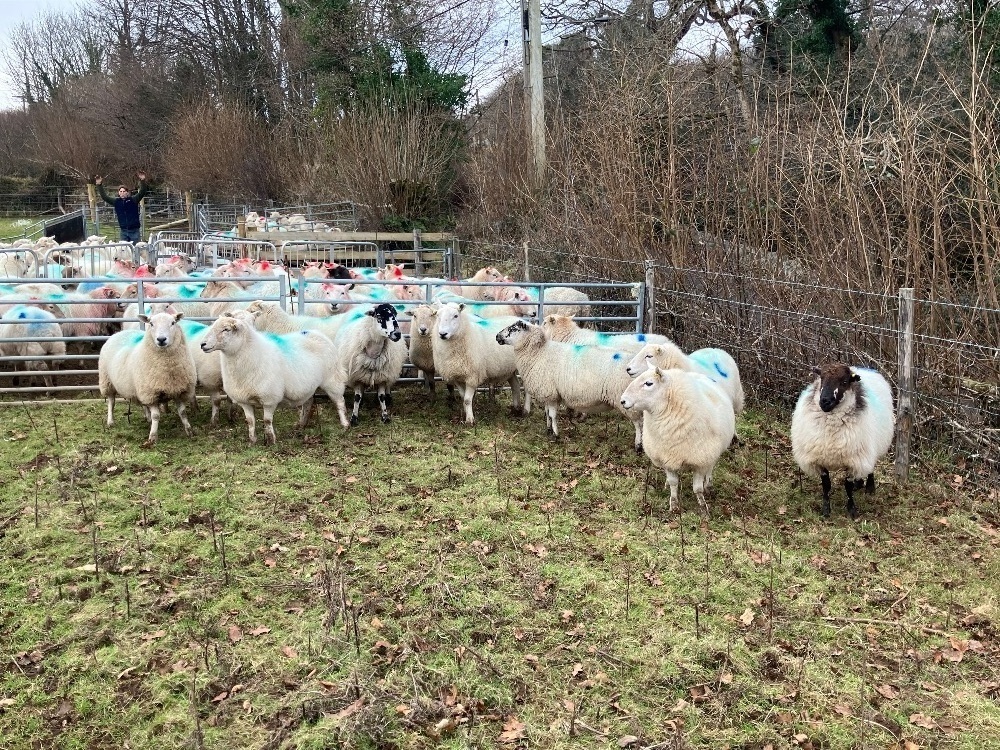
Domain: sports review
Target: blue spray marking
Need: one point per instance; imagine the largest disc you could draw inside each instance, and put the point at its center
(133, 338)
(641, 338)
(192, 327)
(617, 356)
(719, 370)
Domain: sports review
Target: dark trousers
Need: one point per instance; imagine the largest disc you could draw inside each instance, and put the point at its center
(132, 235)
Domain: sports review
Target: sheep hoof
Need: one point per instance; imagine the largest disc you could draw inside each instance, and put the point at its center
(149, 443)
(638, 448)
(354, 421)
(385, 418)
(388, 399)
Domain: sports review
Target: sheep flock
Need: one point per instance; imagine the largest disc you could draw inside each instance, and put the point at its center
(264, 336)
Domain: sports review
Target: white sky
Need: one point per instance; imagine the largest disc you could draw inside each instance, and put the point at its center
(13, 12)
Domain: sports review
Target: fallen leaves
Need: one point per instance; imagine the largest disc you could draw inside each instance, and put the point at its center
(289, 652)
(747, 617)
(513, 730)
(235, 634)
(922, 720)
(889, 692)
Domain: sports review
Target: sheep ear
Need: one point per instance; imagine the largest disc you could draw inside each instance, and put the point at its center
(370, 312)
(855, 377)
(144, 318)
(461, 306)
(659, 373)
(815, 371)
(350, 287)
(178, 316)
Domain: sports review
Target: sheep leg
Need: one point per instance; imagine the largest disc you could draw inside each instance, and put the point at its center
(154, 424)
(674, 481)
(870, 484)
(451, 392)
(469, 390)
(849, 486)
(269, 423)
(251, 422)
(383, 401)
(824, 476)
(217, 398)
(515, 395)
(111, 411)
(551, 411)
(182, 413)
(699, 490)
(388, 396)
(637, 424)
(304, 411)
(357, 405)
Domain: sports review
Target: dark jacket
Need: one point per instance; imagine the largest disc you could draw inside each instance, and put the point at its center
(126, 209)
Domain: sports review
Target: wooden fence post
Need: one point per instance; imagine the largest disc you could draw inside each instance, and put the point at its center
(418, 254)
(188, 206)
(527, 263)
(904, 384)
(650, 310)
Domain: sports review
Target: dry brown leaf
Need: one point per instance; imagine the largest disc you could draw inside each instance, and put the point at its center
(154, 636)
(907, 745)
(220, 697)
(747, 617)
(922, 720)
(842, 710)
(260, 630)
(628, 740)
(761, 558)
(7, 702)
(889, 692)
(289, 652)
(235, 634)
(349, 709)
(513, 730)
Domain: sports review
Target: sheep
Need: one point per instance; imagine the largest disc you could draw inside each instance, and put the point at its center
(467, 355)
(271, 370)
(13, 266)
(40, 325)
(564, 328)
(178, 265)
(270, 318)
(370, 354)
(421, 345)
(487, 274)
(86, 315)
(561, 299)
(582, 378)
(716, 364)
(150, 367)
(687, 424)
(844, 419)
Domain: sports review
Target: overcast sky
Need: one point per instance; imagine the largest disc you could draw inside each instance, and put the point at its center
(13, 12)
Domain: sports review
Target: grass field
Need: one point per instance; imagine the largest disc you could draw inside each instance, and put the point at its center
(13, 226)
(423, 584)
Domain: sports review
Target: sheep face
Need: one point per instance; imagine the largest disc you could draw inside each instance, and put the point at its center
(162, 327)
(645, 391)
(422, 321)
(224, 334)
(449, 320)
(836, 380)
(648, 356)
(513, 333)
(559, 326)
(385, 316)
(336, 295)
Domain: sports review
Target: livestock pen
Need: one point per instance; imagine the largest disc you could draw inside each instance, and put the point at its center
(423, 583)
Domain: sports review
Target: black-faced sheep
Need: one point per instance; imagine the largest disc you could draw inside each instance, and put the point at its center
(843, 420)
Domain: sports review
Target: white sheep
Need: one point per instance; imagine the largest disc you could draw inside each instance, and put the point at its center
(716, 364)
(467, 355)
(580, 377)
(843, 420)
(421, 345)
(564, 328)
(151, 367)
(273, 369)
(370, 354)
(42, 327)
(563, 300)
(688, 423)
(270, 318)
(13, 266)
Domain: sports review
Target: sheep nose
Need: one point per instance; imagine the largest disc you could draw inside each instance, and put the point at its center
(444, 336)
(629, 371)
(423, 330)
(827, 404)
(204, 346)
(624, 403)
(161, 340)
(395, 336)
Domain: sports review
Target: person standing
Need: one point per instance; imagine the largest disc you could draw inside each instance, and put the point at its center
(126, 207)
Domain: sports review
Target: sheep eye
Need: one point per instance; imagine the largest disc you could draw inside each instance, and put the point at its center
(648, 384)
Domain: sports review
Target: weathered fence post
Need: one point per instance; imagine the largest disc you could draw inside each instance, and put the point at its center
(527, 264)
(189, 209)
(904, 384)
(418, 253)
(650, 306)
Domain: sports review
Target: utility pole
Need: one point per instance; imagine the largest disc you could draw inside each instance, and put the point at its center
(534, 92)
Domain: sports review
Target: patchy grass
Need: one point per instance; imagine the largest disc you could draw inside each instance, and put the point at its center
(423, 584)
(14, 226)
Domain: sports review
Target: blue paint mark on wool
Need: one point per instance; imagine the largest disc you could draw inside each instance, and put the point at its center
(617, 356)
(719, 370)
(133, 338)
(641, 338)
(192, 327)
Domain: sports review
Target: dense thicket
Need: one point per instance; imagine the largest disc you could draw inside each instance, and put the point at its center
(856, 141)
